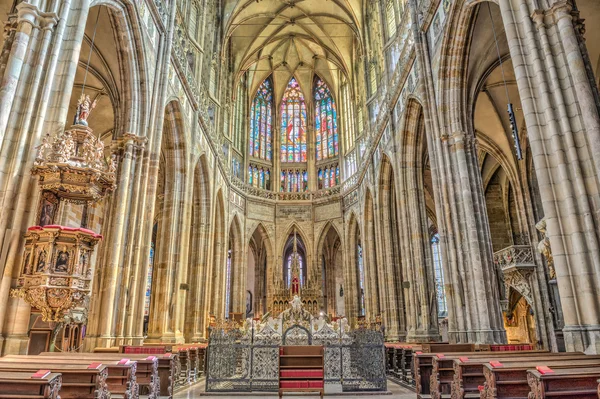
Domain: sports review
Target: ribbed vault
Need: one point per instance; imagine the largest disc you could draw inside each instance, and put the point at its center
(294, 38)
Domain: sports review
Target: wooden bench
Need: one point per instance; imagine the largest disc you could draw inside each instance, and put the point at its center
(146, 374)
(120, 380)
(423, 364)
(81, 381)
(580, 383)
(168, 365)
(468, 375)
(509, 379)
(440, 368)
(27, 385)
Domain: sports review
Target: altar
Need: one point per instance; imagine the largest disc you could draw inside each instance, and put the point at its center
(245, 357)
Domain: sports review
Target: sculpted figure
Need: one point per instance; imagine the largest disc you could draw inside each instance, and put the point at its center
(42, 148)
(64, 147)
(84, 108)
(112, 165)
(99, 156)
(544, 247)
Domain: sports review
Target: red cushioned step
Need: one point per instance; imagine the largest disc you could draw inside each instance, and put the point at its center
(289, 384)
(315, 384)
(299, 373)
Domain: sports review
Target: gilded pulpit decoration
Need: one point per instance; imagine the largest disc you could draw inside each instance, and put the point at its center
(56, 274)
(73, 165)
(545, 249)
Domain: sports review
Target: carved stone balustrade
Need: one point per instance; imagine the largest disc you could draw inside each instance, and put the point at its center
(517, 263)
(56, 273)
(515, 257)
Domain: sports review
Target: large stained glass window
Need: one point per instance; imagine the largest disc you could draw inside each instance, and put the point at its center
(325, 121)
(293, 124)
(261, 117)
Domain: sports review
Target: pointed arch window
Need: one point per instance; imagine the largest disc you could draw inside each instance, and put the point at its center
(293, 124)
(361, 280)
(439, 276)
(228, 284)
(325, 121)
(261, 119)
(290, 260)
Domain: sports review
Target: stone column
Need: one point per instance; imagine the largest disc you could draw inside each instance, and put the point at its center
(562, 127)
(112, 268)
(419, 280)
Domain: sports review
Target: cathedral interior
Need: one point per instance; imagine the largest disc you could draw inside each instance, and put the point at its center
(428, 166)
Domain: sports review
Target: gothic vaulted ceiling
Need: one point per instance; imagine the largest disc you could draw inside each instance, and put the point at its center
(293, 37)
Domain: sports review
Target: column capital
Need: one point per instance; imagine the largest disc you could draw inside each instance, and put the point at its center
(31, 14)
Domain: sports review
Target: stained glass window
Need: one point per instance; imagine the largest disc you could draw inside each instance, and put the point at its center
(300, 269)
(294, 181)
(228, 285)
(439, 276)
(293, 124)
(328, 177)
(261, 118)
(325, 121)
(361, 280)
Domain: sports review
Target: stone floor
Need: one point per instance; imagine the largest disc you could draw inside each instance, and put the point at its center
(395, 391)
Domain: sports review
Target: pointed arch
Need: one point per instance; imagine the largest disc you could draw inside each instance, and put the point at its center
(170, 247)
(198, 256)
(260, 270)
(394, 312)
(215, 294)
(370, 256)
(234, 275)
(330, 268)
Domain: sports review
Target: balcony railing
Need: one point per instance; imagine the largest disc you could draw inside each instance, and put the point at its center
(519, 257)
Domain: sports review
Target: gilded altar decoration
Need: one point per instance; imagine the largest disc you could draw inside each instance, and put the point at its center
(545, 249)
(308, 288)
(56, 274)
(73, 165)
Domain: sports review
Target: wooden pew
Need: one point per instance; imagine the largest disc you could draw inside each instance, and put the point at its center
(509, 379)
(146, 374)
(168, 365)
(468, 371)
(25, 385)
(423, 364)
(81, 381)
(442, 370)
(121, 373)
(580, 383)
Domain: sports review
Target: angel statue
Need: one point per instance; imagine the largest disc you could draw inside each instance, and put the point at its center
(42, 148)
(112, 164)
(544, 247)
(84, 107)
